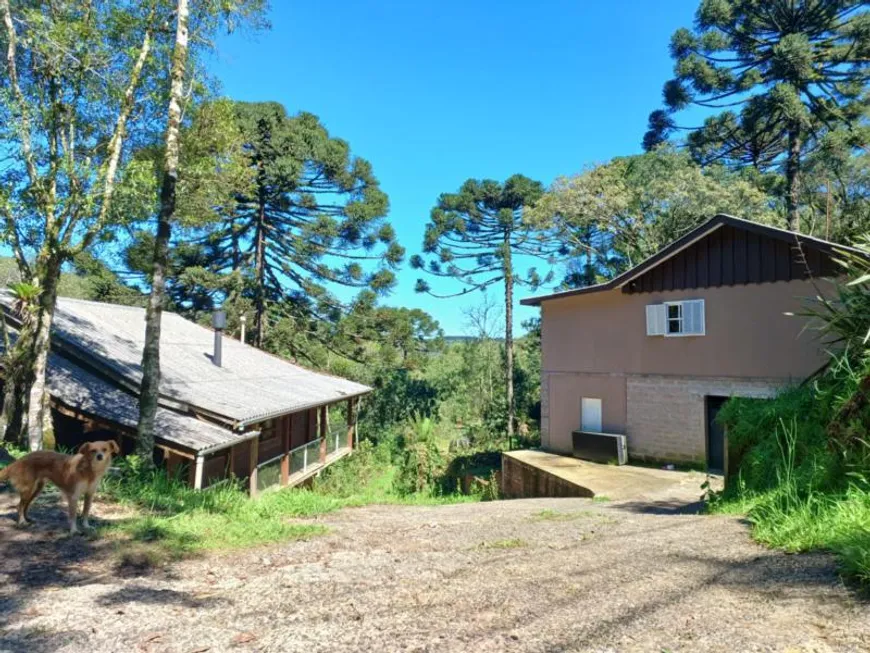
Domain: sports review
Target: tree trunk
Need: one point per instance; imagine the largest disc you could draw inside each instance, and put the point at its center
(150, 389)
(792, 176)
(509, 336)
(260, 270)
(38, 412)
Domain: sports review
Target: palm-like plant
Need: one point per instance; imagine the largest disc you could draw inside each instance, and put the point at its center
(844, 321)
(26, 296)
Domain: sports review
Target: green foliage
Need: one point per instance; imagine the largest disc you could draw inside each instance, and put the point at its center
(362, 470)
(785, 74)
(472, 235)
(757, 427)
(797, 493)
(171, 520)
(421, 462)
(311, 217)
(619, 213)
(397, 398)
(844, 319)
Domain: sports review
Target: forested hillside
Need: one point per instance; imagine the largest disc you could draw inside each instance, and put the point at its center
(128, 177)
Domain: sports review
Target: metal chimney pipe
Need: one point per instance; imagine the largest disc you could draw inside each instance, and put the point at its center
(219, 322)
(244, 322)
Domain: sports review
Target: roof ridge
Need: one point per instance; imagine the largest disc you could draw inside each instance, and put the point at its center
(687, 239)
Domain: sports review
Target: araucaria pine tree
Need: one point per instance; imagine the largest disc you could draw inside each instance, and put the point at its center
(473, 237)
(314, 218)
(787, 74)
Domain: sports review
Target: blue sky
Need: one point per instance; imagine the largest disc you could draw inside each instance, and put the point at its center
(433, 93)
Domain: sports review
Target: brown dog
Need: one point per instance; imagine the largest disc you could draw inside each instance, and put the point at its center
(73, 475)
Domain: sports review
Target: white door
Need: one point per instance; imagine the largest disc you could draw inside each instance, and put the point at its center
(590, 415)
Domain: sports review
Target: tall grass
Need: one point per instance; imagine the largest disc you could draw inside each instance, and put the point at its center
(799, 492)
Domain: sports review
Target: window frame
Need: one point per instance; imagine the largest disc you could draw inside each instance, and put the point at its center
(682, 318)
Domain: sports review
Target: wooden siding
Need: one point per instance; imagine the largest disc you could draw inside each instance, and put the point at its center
(271, 443)
(731, 256)
(215, 468)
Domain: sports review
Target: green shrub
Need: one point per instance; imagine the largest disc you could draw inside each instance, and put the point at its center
(800, 489)
(357, 471)
(421, 463)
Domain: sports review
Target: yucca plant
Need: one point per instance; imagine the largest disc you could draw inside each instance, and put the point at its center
(25, 295)
(844, 321)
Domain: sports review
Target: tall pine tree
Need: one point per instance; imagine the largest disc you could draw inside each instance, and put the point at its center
(785, 73)
(313, 218)
(473, 236)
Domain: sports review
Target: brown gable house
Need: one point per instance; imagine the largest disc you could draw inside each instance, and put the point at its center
(226, 409)
(654, 352)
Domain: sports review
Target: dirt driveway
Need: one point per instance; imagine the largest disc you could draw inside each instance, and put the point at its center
(530, 575)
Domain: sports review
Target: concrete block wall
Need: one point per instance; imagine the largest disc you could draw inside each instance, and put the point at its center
(665, 415)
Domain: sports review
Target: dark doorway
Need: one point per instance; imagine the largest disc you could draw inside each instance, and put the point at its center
(715, 436)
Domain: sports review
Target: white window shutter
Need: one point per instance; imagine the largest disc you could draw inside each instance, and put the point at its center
(693, 317)
(655, 319)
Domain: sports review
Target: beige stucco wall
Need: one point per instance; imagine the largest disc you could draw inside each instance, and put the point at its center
(748, 334)
(562, 409)
(653, 388)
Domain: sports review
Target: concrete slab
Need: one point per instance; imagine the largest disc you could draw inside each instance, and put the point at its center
(617, 483)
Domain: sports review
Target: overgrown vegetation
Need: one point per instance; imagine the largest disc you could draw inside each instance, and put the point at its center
(803, 475)
(170, 520)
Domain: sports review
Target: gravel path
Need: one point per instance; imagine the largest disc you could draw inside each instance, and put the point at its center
(530, 575)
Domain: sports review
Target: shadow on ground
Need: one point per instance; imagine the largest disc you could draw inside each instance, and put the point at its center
(42, 556)
(660, 507)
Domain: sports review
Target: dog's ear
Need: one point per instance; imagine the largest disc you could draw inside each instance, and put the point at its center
(85, 448)
(114, 447)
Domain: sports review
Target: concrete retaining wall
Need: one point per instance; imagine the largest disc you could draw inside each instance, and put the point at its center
(522, 481)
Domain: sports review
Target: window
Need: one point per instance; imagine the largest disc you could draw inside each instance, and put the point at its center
(675, 318)
(682, 318)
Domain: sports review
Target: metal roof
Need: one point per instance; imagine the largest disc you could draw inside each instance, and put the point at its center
(688, 239)
(78, 389)
(250, 386)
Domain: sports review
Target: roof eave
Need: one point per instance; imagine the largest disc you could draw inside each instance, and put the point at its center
(687, 240)
(256, 419)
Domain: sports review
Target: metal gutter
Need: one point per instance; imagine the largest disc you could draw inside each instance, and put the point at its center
(243, 437)
(298, 409)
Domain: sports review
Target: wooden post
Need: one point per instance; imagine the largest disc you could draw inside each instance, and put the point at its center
(252, 475)
(286, 426)
(231, 462)
(197, 474)
(351, 422)
(324, 432)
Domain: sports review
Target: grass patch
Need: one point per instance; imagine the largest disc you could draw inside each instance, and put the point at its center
(554, 515)
(173, 521)
(600, 499)
(513, 543)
